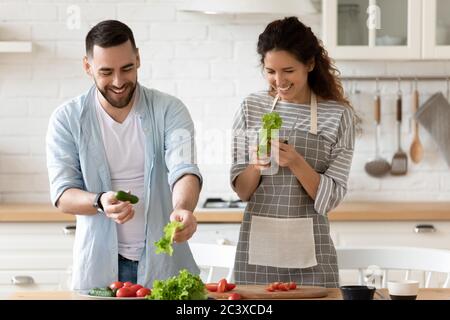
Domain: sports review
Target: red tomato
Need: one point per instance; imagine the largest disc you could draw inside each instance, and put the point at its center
(135, 287)
(270, 288)
(211, 287)
(125, 292)
(276, 285)
(234, 296)
(283, 286)
(222, 285)
(292, 286)
(142, 292)
(128, 284)
(230, 286)
(116, 285)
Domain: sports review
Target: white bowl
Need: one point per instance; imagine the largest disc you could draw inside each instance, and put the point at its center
(403, 289)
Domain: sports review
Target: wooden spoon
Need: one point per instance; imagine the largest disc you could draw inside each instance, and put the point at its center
(416, 149)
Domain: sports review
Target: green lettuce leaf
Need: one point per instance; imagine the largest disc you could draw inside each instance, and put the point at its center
(164, 245)
(270, 121)
(185, 286)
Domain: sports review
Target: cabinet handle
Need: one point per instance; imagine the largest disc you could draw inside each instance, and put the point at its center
(69, 230)
(223, 241)
(22, 280)
(424, 228)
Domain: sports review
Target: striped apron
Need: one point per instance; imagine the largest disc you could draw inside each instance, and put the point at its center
(282, 237)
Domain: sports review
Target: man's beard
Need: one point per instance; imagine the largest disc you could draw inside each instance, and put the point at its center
(121, 102)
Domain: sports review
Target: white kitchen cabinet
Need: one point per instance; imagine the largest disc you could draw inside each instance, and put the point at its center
(430, 234)
(218, 233)
(372, 29)
(391, 233)
(352, 233)
(35, 256)
(436, 29)
(407, 29)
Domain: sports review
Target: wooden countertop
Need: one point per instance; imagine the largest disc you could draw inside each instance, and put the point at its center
(347, 211)
(333, 294)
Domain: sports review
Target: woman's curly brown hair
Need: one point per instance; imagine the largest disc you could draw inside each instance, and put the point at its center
(291, 35)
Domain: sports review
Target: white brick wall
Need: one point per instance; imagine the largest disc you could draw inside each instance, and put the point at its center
(26, 12)
(210, 63)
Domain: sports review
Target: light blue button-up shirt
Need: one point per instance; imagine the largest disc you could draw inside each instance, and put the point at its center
(76, 159)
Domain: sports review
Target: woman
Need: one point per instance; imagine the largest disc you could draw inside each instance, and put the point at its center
(285, 232)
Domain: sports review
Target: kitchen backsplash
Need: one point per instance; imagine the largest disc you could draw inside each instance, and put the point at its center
(207, 61)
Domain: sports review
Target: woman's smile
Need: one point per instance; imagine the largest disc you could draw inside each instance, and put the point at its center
(284, 88)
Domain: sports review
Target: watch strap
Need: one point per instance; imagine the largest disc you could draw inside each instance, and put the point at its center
(97, 203)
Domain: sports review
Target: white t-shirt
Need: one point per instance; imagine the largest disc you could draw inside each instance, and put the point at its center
(125, 146)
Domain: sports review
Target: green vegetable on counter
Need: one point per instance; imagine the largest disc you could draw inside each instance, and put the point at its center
(125, 196)
(102, 292)
(164, 245)
(270, 121)
(185, 286)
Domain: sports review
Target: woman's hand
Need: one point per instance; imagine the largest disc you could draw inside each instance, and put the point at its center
(286, 156)
(255, 162)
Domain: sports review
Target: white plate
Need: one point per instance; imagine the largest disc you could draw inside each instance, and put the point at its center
(85, 294)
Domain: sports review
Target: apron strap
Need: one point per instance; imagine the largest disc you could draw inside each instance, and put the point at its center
(275, 102)
(313, 114)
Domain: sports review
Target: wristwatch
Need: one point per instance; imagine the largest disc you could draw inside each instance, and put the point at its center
(97, 203)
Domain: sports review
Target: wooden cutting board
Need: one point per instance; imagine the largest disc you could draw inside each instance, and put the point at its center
(260, 292)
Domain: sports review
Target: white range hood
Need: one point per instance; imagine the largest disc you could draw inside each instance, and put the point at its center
(291, 7)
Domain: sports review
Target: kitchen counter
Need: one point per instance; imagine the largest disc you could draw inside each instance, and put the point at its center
(347, 211)
(333, 294)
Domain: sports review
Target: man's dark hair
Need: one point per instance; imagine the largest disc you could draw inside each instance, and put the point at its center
(108, 33)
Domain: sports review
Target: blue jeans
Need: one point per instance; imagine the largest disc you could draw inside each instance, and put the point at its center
(127, 270)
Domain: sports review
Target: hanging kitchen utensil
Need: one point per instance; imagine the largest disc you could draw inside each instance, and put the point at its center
(399, 164)
(378, 166)
(416, 149)
(434, 116)
(448, 89)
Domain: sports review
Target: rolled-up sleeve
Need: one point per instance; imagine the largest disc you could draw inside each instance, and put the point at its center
(333, 182)
(179, 144)
(63, 162)
(240, 145)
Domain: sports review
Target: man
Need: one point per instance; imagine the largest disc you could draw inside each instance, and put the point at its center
(123, 136)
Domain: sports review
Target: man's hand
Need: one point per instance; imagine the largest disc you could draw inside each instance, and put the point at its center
(119, 211)
(189, 221)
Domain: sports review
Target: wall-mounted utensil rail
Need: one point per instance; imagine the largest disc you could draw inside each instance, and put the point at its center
(415, 79)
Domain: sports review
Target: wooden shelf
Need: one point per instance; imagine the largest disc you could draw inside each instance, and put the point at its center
(16, 46)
